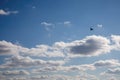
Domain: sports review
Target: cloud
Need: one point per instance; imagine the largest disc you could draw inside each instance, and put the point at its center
(7, 48)
(47, 69)
(52, 77)
(112, 78)
(111, 74)
(99, 25)
(39, 50)
(20, 62)
(44, 51)
(67, 23)
(63, 77)
(3, 12)
(48, 26)
(15, 72)
(65, 69)
(87, 67)
(91, 46)
(114, 71)
(51, 68)
(107, 63)
(82, 67)
(2, 77)
(116, 40)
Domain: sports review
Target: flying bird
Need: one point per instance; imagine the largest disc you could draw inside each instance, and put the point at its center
(91, 29)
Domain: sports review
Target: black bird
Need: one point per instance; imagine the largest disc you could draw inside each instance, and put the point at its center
(91, 29)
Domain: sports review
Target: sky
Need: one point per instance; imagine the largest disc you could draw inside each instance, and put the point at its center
(52, 40)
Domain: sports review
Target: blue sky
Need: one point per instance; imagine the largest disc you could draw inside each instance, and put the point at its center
(51, 39)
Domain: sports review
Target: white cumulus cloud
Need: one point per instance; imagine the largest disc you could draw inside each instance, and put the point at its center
(48, 26)
(107, 63)
(15, 72)
(113, 71)
(91, 46)
(20, 62)
(8, 48)
(3, 12)
(99, 25)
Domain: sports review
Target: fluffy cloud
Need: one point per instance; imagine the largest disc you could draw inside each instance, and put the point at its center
(3, 12)
(15, 72)
(19, 61)
(46, 69)
(39, 59)
(64, 77)
(56, 66)
(112, 78)
(91, 46)
(99, 25)
(83, 67)
(51, 77)
(43, 51)
(64, 69)
(39, 50)
(115, 71)
(87, 47)
(15, 78)
(107, 63)
(111, 74)
(48, 26)
(8, 48)
(67, 23)
(116, 41)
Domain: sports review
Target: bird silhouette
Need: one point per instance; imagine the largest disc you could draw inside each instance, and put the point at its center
(91, 29)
